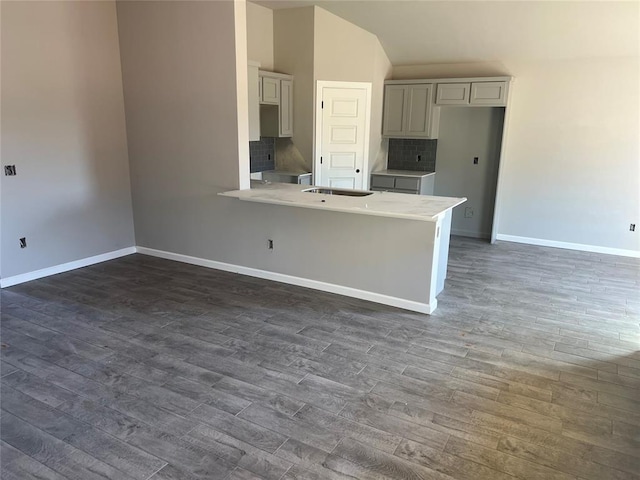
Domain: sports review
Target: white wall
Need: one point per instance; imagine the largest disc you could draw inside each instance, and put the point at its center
(63, 126)
(571, 170)
(260, 35)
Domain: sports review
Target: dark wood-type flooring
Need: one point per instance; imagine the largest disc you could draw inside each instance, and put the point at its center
(142, 368)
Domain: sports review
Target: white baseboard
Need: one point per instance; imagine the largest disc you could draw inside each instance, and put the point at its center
(299, 281)
(569, 246)
(65, 267)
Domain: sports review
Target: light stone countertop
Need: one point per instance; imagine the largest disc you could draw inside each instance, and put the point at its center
(382, 204)
(403, 173)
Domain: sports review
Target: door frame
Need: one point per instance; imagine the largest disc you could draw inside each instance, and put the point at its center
(497, 203)
(317, 137)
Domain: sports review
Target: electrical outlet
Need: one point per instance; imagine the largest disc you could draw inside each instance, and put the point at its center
(23, 242)
(475, 160)
(270, 244)
(10, 170)
(632, 227)
(468, 212)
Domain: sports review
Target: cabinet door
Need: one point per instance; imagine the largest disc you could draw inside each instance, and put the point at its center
(418, 117)
(254, 103)
(286, 108)
(393, 117)
(453, 93)
(270, 90)
(489, 93)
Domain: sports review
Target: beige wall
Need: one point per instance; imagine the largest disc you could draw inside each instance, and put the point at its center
(466, 133)
(181, 113)
(183, 141)
(342, 50)
(346, 52)
(378, 146)
(260, 35)
(571, 170)
(293, 54)
(313, 44)
(63, 126)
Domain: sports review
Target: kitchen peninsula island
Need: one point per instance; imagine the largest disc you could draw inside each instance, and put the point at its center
(389, 248)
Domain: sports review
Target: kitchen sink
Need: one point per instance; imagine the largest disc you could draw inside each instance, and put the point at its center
(338, 191)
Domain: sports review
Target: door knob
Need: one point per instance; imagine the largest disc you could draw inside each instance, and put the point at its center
(357, 170)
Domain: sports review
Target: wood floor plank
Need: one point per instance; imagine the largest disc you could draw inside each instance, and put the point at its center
(446, 463)
(255, 460)
(367, 413)
(383, 465)
(23, 467)
(502, 462)
(249, 432)
(297, 428)
(55, 454)
(142, 367)
(561, 461)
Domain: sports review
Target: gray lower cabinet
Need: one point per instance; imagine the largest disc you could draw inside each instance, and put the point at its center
(408, 183)
(276, 176)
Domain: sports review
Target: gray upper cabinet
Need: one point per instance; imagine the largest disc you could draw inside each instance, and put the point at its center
(254, 102)
(408, 111)
(286, 108)
(270, 91)
(276, 104)
(487, 94)
(453, 93)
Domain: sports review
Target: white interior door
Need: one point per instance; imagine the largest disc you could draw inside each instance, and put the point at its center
(342, 134)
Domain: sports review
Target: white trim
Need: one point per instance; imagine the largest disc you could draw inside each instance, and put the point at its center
(299, 281)
(65, 267)
(569, 246)
(502, 160)
(242, 93)
(409, 81)
(320, 84)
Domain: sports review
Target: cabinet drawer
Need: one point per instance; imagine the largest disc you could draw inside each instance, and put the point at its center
(403, 183)
(382, 181)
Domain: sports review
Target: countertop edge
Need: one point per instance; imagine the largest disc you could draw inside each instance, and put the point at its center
(400, 173)
(342, 209)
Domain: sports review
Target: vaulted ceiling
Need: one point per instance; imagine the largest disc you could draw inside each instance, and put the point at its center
(422, 32)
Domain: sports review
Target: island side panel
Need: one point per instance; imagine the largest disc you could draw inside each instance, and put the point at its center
(443, 251)
(386, 256)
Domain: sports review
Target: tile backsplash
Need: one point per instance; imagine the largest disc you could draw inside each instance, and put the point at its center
(403, 154)
(262, 154)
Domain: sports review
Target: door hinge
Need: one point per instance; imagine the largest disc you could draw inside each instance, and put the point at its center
(322, 104)
(320, 160)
